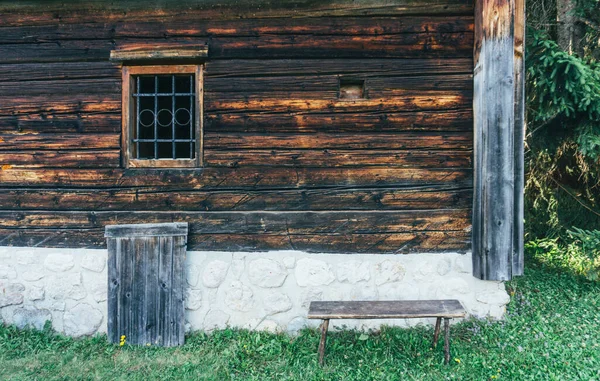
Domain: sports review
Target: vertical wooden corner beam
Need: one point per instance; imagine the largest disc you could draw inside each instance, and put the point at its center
(497, 185)
(520, 128)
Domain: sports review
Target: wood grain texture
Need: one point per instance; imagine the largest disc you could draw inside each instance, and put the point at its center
(187, 25)
(332, 158)
(145, 274)
(400, 140)
(292, 223)
(391, 309)
(361, 68)
(53, 141)
(364, 68)
(518, 255)
(288, 165)
(331, 121)
(388, 243)
(353, 198)
(494, 142)
(15, 14)
(61, 158)
(244, 178)
(146, 230)
(41, 121)
(417, 45)
(158, 54)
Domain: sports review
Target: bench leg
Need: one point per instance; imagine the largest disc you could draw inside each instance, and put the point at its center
(436, 332)
(446, 341)
(324, 327)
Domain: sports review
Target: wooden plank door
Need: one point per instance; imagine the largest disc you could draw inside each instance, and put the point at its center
(146, 283)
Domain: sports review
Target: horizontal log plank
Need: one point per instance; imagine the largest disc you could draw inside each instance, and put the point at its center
(418, 45)
(78, 104)
(52, 52)
(50, 71)
(339, 158)
(15, 14)
(105, 98)
(247, 178)
(362, 68)
(392, 141)
(426, 197)
(330, 121)
(398, 243)
(61, 158)
(70, 87)
(82, 119)
(407, 100)
(374, 87)
(187, 25)
(395, 101)
(257, 222)
(54, 122)
(49, 141)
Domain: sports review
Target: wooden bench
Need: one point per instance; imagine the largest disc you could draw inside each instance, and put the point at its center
(404, 309)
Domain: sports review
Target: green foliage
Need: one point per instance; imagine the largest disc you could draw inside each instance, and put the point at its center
(560, 84)
(588, 14)
(579, 252)
(563, 140)
(570, 257)
(589, 244)
(588, 140)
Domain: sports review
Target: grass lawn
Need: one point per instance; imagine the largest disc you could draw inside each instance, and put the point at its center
(552, 332)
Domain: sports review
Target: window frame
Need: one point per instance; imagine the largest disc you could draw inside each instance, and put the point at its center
(128, 117)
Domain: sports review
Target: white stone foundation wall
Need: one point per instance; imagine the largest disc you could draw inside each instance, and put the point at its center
(267, 290)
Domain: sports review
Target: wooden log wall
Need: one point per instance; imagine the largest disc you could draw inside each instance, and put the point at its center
(288, 165)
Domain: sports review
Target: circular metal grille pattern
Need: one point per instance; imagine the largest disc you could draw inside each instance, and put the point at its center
(164, 112)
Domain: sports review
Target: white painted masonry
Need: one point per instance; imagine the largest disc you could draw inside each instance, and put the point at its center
(265, 291)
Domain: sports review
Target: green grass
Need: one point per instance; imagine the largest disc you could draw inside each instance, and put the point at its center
(552, 332)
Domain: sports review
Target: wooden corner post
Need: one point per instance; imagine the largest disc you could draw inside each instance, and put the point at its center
(499, 132)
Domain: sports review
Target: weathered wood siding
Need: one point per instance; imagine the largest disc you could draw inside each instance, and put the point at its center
(146, 284)
(288, 165)
(499, 113)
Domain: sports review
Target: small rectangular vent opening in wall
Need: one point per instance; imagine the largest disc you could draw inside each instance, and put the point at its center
(351, 88)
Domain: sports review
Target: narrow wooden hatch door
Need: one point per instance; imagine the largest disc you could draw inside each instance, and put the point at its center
(146, 283)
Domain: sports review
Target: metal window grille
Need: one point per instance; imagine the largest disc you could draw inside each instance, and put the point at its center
(164, 116)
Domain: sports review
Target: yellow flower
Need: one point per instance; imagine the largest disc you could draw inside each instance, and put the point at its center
(457, 361)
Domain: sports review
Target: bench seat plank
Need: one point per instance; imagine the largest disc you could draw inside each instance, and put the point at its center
(397, 309)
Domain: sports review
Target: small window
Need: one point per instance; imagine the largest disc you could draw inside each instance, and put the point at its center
(351, 88)
(162, 116)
